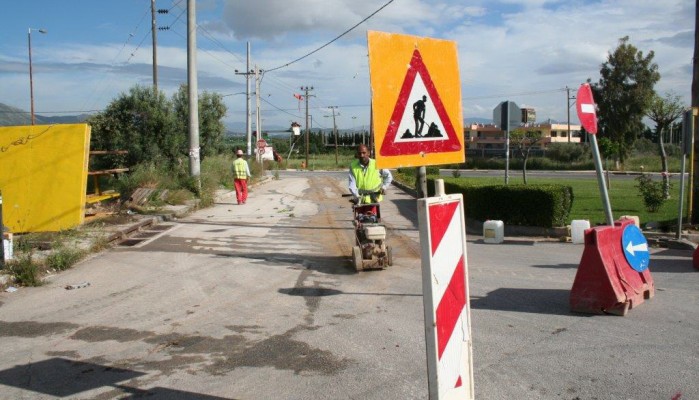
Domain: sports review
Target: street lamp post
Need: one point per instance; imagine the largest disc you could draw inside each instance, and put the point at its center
(31, 81)
(354, 130)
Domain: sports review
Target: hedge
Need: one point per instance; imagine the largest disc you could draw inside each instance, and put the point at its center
(546, 205)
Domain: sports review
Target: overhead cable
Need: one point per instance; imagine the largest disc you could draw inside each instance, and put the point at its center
(330, 42)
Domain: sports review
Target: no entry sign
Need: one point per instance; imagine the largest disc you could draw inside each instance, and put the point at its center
(587, 113)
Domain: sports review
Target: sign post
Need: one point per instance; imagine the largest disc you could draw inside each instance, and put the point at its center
(687, 145)
(417, 121)
(445, 297)
(507, 115)
(587, 114)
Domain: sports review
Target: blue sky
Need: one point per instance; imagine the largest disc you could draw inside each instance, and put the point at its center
(525, 51)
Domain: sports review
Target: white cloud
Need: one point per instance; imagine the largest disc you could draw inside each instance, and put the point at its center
(524, 51)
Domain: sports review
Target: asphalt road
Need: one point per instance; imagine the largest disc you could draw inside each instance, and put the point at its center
(260, 301)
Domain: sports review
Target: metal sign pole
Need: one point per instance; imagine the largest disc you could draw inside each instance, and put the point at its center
(506, 119)
(679, 212)
(600, 180)
(687, 147)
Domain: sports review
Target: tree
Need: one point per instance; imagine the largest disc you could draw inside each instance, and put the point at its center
(523, 141)
(140, 122)
(664, 111)
(623, 94)
(211, 112)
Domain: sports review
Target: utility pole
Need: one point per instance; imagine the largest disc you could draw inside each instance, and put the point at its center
(192, 85)
(154, 35)
(335, 132)
(568, 110)
(248, 115)
(258, 79)
(307, 89)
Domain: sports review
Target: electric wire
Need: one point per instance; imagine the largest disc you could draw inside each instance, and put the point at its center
(91, 98)
(333, 40)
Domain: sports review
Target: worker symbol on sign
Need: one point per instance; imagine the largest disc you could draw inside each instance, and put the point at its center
(419, 115)
(423, 111)
(405, 133)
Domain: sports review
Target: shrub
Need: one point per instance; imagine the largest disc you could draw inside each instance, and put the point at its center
(651, 192)
(530, 205)
(567, 152)
(645, 146)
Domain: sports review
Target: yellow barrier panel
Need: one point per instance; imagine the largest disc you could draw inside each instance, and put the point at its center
(43, 176)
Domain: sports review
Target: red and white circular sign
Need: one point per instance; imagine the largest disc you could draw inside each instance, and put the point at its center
(587, 113)
(261, 144)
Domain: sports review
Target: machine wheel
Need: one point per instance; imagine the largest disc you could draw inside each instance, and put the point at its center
(357, 258)
(389, 255)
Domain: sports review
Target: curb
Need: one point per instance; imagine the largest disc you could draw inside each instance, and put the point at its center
(174, 213)
(474, 226)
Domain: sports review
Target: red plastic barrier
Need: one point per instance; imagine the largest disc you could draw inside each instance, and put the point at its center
(695, 258)
(605, 282)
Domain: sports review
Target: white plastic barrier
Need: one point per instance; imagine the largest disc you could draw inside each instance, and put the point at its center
(577, 230)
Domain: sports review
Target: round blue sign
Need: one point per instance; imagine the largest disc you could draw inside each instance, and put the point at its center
(635, 248)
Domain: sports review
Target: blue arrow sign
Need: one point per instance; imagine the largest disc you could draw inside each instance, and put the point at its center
(635, 248)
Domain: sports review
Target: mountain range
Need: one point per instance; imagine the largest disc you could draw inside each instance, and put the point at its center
(12, 116)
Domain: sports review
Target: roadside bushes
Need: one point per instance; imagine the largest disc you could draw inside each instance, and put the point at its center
(568, 152)
(546, 205)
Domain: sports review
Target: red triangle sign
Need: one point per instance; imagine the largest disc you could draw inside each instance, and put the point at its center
(428, 128)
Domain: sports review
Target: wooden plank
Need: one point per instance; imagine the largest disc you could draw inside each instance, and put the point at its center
(108, 171)
(93, 198)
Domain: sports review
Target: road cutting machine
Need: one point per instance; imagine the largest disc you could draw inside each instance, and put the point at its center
(370, 250)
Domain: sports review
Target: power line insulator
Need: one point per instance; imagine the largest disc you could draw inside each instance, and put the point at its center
(163, 11)
(163, 28)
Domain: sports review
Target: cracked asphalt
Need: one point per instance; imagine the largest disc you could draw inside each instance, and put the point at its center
(260, 301)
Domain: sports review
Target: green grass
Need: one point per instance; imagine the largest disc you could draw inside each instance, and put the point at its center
(322, 162)
(624, 199)
(587, 201)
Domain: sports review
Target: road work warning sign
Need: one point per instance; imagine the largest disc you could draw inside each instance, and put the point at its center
(416, 100)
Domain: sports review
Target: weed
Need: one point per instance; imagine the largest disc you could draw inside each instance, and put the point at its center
(456, 173)
(99, 244)
(178, 196)
(63, 258)
(25, 270)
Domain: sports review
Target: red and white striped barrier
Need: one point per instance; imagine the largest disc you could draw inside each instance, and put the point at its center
(445, 296)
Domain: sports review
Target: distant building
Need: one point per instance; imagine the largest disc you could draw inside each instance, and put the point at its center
(528, 115)
(489, 136)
